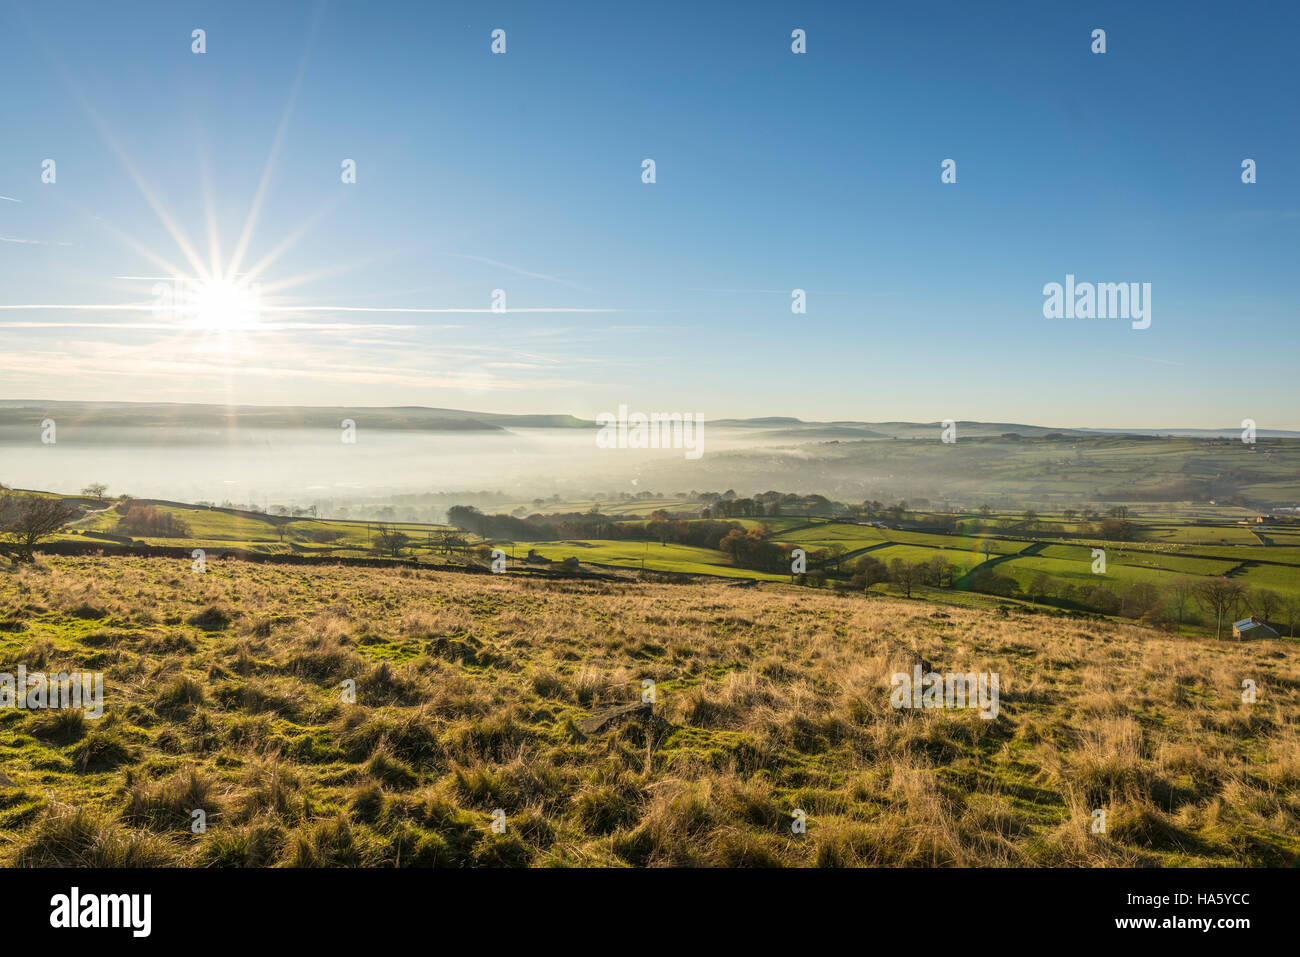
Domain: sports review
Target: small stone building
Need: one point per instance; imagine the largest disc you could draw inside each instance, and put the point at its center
(1252, 628)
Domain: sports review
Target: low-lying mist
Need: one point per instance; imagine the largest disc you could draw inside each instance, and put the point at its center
(261, 466)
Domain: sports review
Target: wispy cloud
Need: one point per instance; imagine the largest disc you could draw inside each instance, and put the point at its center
(149, 307)
(108, 307)
(783, 292)
(404, 309)
(525, 272)
(180, 327)
(173, 360)
(10, 199)
(32, 242)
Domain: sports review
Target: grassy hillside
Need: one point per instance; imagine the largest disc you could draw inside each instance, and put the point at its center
(217, 528)
(223, 693)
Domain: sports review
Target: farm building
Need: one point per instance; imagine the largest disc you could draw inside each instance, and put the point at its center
(1252, 628)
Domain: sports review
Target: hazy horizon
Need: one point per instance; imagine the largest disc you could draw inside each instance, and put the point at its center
(1198, 427)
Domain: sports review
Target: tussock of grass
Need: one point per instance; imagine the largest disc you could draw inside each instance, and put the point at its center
(212, 618)
(102, 749)
(180, 694)
(169, 803)
(62, 726)
(468, 694)
(78, 837)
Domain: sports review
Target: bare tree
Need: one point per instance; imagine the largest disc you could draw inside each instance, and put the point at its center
(95, 490)
(1291, 609)
(658, 526)
(906, 575)
(1180, 592)
(870, 571)
(1217, 595)
(940, 573)
(27, 520)
(1265, 602)
(390, 542)
(1141, 600)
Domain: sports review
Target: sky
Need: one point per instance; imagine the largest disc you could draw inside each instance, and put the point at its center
(522, 171)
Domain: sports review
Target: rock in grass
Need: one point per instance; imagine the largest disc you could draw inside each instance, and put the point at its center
(603, 720)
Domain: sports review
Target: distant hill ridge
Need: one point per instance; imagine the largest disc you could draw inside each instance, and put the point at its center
(24, 412)
(21, 412)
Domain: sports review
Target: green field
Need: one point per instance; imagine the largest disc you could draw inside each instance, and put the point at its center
(1284, 579)
(1200, 534)
(1182, 564)
(1164, 552)
(1024, 569)
(861, 536)
(681, 559)
(217, 528)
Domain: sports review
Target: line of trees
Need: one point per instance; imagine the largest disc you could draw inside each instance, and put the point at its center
(661, 527)
(391, 541)
(868, 570)
(750, 549)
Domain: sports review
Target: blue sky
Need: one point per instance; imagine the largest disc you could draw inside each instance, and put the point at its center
(775, 171)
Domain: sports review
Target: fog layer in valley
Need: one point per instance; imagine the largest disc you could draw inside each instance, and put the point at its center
(301, 465)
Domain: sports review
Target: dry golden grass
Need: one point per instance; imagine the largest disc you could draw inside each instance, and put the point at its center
(224, 692)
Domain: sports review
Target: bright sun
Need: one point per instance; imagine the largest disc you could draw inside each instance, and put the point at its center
(222, 305)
